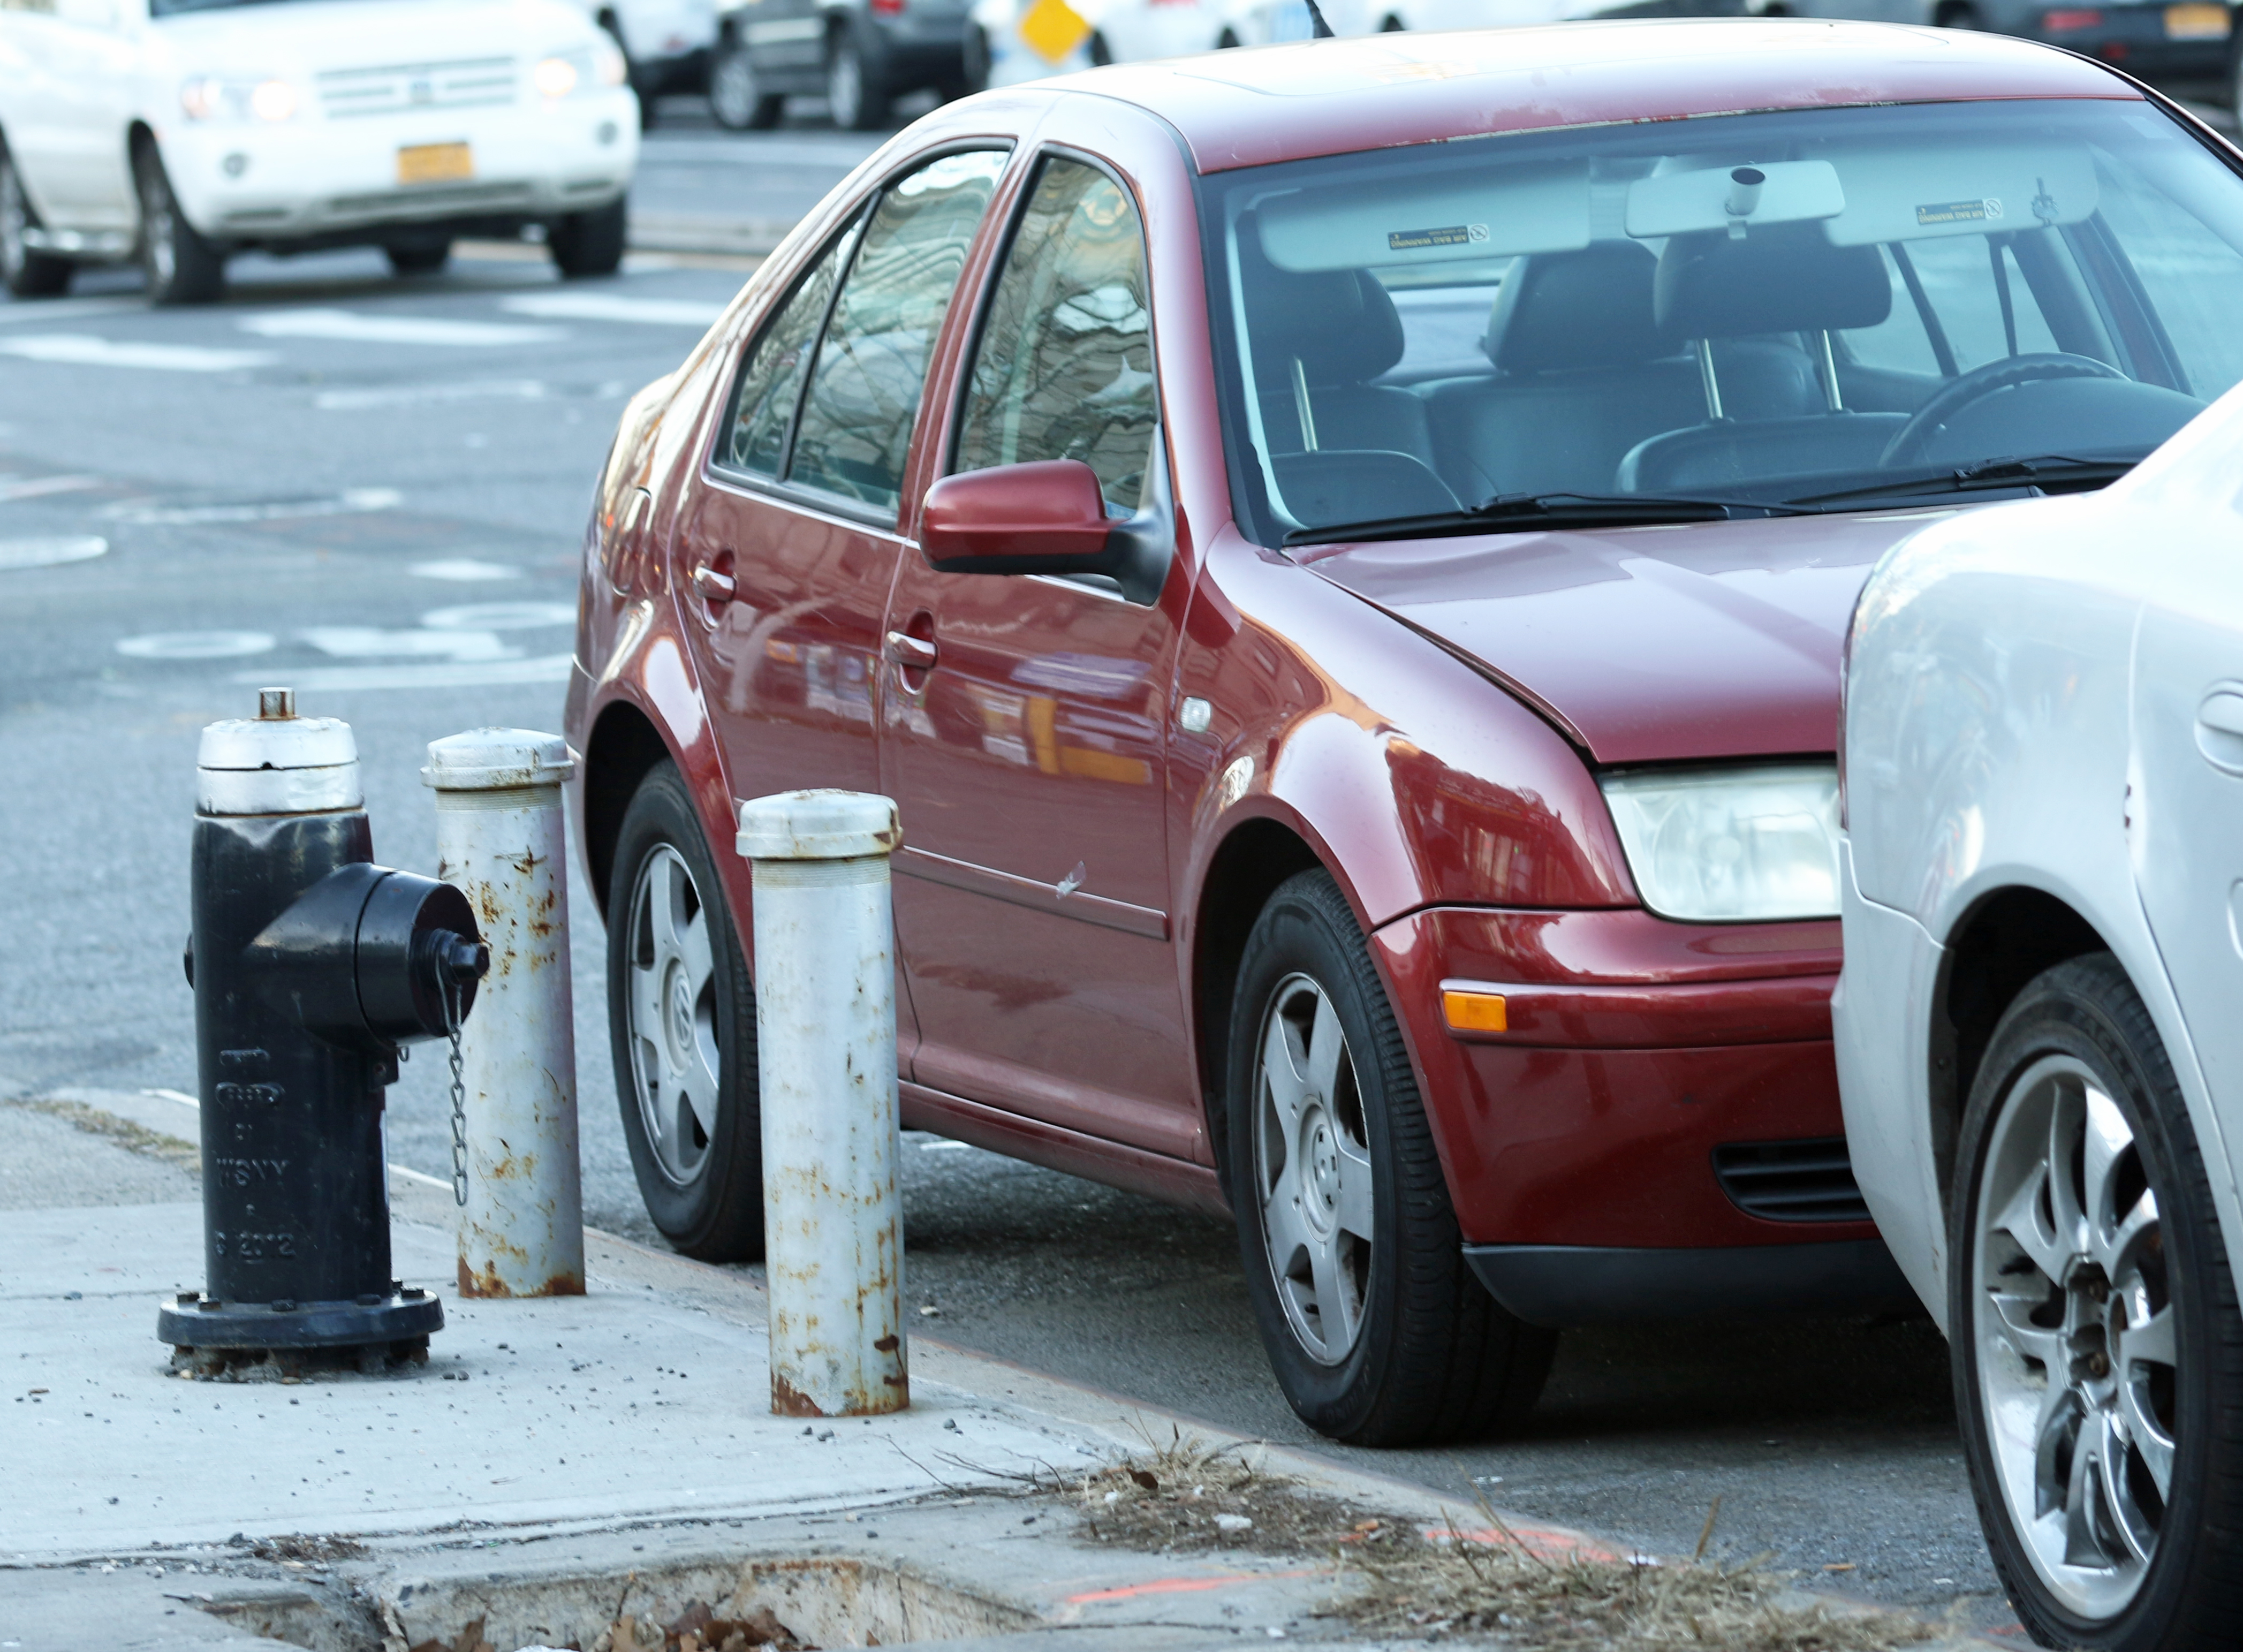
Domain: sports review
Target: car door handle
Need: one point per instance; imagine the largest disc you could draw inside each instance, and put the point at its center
(912, 653)
(714, 588)
(2219, 729)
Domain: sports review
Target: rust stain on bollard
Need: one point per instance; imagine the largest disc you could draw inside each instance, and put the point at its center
(787, 1401)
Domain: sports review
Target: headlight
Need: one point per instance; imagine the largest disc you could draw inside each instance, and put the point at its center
(236, 98)
(1731, 843)
(566, 73)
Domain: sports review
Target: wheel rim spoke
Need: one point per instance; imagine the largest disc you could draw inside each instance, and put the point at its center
(1356, 1204)
(2074, 1335)
(1282, 1079)
(1336, 1307)
(1327, 1048)
(671, 1002)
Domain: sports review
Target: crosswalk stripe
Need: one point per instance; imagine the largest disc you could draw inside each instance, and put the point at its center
(84, 349)
(354, 327)
(614, 307)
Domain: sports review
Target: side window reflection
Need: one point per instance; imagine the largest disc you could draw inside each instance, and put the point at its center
(1064, 369)
(865, 390)
(762, 407)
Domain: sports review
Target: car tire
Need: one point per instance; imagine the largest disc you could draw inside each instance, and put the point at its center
(27, 273)
(1384, 1338)
(737, 98)
(2082, 1221)
(585, 244)
(418, 258)
(855, 100)
(182, 267)
(1959, 16)
(2235, 61)
(975, 60)
(681, 1025)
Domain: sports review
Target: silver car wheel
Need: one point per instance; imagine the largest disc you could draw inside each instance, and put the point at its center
(672, 1009)
(2075, 1338)
(845, 86)
(15, 218)
(733, 91)
(1312, 1170)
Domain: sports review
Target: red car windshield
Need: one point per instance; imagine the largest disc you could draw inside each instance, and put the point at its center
(1808, 310)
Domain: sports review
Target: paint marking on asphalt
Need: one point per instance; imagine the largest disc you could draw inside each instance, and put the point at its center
(614, 307)
(354, 327)
(463, 570)
(550, 668)
(351, 501)
(68, 310)
(500, 616)
(50, 552)
(408, 396)
(196, 645)
(85, 350)
(34, 487)
(371, 642)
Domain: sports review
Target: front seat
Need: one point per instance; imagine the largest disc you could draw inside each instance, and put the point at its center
(1785, 279)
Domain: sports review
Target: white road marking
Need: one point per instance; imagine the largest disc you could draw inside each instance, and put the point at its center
(500, 616)
(352, 502)
(408, 395)
(197, 645)
(550, 668)
(614, 307)
(464, 570)
(34, 487)
(68, 310)
(356, 329)
(51, 553)
(371, 642)
(84, 349)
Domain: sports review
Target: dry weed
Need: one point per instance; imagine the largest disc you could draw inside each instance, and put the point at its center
(1187, 1496)
(1458, 1585)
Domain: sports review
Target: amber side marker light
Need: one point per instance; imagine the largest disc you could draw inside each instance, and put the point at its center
(1469, 1012)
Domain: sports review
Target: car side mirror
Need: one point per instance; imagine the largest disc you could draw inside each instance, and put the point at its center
(1047, 516)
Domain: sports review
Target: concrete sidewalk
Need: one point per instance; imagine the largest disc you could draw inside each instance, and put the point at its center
(625, 1434)
(561, 1471)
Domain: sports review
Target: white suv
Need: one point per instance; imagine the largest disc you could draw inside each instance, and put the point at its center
(185, 130)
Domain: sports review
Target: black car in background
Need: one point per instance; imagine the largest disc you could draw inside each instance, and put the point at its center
(858, 55)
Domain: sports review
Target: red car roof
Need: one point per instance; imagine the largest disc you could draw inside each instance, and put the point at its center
(1332, 97)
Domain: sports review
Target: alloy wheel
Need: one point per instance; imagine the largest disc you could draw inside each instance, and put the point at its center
(733, 94)
(1312, 1170)
(2076, 1345)
(160, 228)
(672, 1010)
(845, 86)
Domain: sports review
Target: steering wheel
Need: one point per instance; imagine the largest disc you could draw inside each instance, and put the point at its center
(1913, 440)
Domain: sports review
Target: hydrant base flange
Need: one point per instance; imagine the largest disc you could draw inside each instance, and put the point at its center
(400, 1317)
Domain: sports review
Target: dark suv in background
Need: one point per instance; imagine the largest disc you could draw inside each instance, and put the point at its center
(2173, 40)
(858, 55)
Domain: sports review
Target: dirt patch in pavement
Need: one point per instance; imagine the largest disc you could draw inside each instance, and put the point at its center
(123, 1132)
(1189, 1497)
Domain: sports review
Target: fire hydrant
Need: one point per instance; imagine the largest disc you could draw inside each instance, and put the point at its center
(311, 968)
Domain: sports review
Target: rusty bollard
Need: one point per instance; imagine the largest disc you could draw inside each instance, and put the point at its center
(515, 1171)
(825, 1042)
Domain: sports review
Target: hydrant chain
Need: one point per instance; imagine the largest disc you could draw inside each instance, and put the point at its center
(459, 1122)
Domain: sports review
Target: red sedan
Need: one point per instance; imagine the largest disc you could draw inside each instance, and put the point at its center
(1340, 554)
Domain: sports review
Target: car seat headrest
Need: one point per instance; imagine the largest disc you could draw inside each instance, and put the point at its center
(1786, 278)
(1339, 323)
(1561, 311)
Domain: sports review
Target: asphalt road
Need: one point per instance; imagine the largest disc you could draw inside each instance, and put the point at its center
(375, 490)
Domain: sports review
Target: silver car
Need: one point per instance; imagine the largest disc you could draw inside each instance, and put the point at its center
(2040, 1021)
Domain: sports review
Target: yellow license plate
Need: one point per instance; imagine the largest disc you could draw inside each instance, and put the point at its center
(449, 163)
(2195, 23)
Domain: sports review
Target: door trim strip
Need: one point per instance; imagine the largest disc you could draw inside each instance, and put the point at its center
(1027, 892)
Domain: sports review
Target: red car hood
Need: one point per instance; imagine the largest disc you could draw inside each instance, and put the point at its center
(1646, 644)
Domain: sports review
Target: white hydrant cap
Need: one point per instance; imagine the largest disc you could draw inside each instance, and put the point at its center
(278, 764)
(819, 826)
(497, 759)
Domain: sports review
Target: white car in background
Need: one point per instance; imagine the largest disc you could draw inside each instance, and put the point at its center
(2040, 1018)
(183, 131)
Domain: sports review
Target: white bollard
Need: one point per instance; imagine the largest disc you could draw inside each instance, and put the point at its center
(825, 1043)
(499, 839)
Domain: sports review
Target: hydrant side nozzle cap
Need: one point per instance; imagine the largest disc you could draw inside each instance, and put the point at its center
(489, 759)
(819, 826)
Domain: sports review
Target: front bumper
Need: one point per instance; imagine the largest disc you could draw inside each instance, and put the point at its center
(1635, 1048)
(1559, 1285)
(312, 178)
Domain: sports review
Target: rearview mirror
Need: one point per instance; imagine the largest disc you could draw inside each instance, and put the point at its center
(1046, 517)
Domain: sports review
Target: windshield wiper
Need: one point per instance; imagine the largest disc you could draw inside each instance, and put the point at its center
(1519, 512)
(2060, 470)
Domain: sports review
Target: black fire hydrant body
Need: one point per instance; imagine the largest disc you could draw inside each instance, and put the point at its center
(311, 967)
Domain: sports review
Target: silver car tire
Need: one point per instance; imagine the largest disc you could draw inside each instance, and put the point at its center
(2096, 1340)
